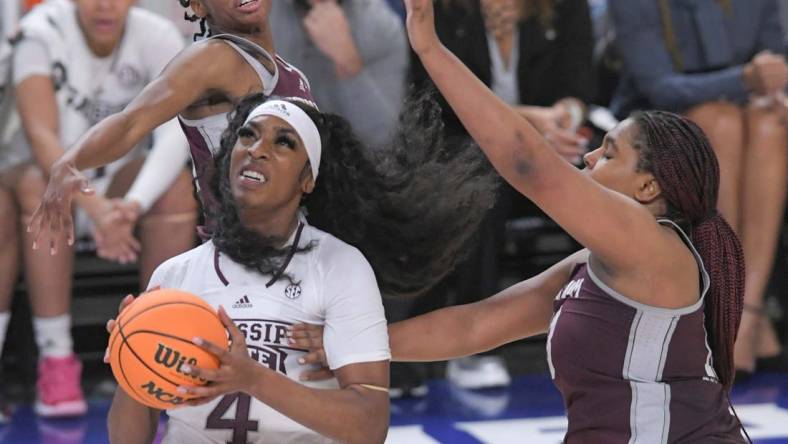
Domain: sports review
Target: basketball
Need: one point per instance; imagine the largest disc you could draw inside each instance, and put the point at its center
(152, 341)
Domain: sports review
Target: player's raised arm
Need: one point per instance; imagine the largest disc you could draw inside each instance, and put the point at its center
(617, 229)
(184, 80)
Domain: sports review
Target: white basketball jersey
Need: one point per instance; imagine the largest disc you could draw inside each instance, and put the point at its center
(88, 88)
(335, 287)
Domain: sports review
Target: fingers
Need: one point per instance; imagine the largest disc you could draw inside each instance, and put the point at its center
(307, 342)
(315, 357)
(316, 375)
(202, 373)
(211, 348)
(235, 334)
(80, 182)
(569, 139)
(125, 302)
(206, 392)
(567, 144)
(36, 223)
(110, 325)
(54, 230)
(121, 248)
(68, 227)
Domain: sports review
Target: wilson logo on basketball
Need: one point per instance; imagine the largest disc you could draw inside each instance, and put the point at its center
(162, 395)
(170, 358)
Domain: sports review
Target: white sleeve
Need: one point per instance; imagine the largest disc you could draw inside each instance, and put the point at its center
(31, 57)
(169, 274)
(355, 326)
(159, 278)
(165, 161)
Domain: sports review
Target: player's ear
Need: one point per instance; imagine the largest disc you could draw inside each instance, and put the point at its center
(307, 181)
(198, 8)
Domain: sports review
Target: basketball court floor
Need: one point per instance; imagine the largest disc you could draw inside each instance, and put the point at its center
(530, 412)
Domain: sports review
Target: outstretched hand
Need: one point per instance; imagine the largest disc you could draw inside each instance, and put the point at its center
(421, 26)
(53, 214)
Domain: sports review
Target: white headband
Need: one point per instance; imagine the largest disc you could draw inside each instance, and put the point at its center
(301, 123)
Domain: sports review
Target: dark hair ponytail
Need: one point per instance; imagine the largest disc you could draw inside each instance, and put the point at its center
(411, 207)
(679, 155)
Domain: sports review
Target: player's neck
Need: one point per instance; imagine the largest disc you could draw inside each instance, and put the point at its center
(281, 224)
(259, 35)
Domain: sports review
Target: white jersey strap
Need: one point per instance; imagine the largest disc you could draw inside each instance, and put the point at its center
(251, 52)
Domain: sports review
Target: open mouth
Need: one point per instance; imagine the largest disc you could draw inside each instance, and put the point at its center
(248, 5)
(253, 176)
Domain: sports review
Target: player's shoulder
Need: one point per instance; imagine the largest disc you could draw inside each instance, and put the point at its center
(188, 259)
(330, 252)
(212, 54)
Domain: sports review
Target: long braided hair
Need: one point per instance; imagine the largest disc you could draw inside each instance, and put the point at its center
(676, 151)
(410, 207)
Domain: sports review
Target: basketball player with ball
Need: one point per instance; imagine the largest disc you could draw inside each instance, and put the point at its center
(267, 268)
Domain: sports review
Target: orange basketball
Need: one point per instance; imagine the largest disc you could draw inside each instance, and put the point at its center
(152, 340)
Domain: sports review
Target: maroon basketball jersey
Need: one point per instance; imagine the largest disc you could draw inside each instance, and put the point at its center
(204, 134)
(633, 373)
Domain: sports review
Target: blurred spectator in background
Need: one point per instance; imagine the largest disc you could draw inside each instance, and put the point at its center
(536, 56)
(722, 63)
(398, 6)
(354, 53)
(74, 63)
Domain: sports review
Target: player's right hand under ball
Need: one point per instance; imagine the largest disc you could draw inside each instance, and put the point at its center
(125, 302)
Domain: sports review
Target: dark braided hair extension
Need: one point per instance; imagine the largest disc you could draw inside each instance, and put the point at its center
(205, 31)
(411, 208)
(676, 151)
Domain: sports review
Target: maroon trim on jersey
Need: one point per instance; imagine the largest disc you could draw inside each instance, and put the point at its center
(203, 165)
(290, 255)
(216, 267)
(278, 273)
(291, 82)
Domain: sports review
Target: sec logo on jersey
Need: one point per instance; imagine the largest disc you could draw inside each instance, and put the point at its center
(293, 291)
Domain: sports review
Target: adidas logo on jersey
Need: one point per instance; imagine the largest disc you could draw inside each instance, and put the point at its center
(243, 303)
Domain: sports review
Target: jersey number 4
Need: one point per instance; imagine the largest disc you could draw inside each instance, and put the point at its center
(240, 425)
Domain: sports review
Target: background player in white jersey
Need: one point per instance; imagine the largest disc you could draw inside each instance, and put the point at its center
(201, 84)
(408, 209)
(74, 63)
